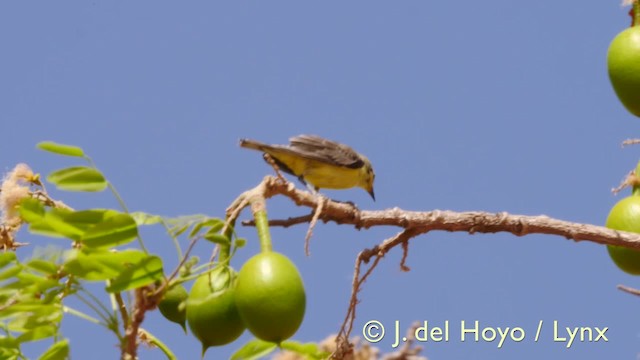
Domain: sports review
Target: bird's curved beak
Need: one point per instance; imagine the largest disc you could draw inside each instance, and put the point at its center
(373, 196)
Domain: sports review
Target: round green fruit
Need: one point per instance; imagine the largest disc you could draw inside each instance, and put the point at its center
(625, 215)
(623, 60)
(170, 305)
(211, 310)
(270, 296)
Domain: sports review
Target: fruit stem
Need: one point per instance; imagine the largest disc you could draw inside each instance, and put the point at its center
(262, 225)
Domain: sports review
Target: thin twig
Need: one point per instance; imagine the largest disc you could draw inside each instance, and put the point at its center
(630, 141)
(629, 290)
(146, 298)
(175, 272)
(631, 179)
(123, 310)
(405, 254)
(284, 222)
(342, 340)
(378, 251)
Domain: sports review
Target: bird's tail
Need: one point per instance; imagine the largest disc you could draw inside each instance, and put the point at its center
(252, 144)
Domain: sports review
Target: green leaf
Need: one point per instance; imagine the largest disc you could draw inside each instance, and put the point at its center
(308, 350)
(217, 238)
(78, 178)
(67, 223)
(217, 225)
(112, 231)
(57, 351)
(38, 333)
(180, 224)
(76, 224)
(43, 266)
(44, 229)
(48, 252)
(31, 210)
(55, 221)
(35, 282)
(11, 272)
(253, 350)
(43, 316)
(178, 230)
(84, 219)
(143, 218)
(186, 219)
(127, 269)
(95, 265)
(6, 342)
(145, 272)
(29, 284)
(10, 354)
(9, 348)
(213, 223)
(6, 258)
(88, 268)
(30, 307)
(60, 149)
(240, 242)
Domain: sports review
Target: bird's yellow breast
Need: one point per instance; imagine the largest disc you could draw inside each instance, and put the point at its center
(320, 174)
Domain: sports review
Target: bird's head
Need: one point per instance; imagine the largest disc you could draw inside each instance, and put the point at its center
(367, 176)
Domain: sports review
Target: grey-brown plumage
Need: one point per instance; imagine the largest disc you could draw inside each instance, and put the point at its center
(327, 151)
(320, 162)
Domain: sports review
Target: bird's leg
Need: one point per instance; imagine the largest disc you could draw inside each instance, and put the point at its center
(348, 202)
(268, 158)
(312, 189)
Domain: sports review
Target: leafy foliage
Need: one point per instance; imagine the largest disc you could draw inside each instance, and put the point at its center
(97, 245)
(30, 303)
(98, 249)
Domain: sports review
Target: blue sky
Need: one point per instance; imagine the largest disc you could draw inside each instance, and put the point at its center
(467, 105)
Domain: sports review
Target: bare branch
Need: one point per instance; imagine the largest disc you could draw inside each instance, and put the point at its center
(314, 221)
(629, 290)
(631, 179)
(284, 222)
(129, 349)
(425, 221)
(414, 223)
(378, 251)
(630, 142)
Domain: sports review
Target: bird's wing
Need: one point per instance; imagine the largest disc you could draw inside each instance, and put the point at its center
(327, 151)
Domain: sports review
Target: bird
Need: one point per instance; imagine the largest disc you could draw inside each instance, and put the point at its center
(319, 163)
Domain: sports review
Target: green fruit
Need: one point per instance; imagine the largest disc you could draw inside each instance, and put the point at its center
(211, 310)
(625, 215)
(270, 296)
(623, 60)
(170, 305)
